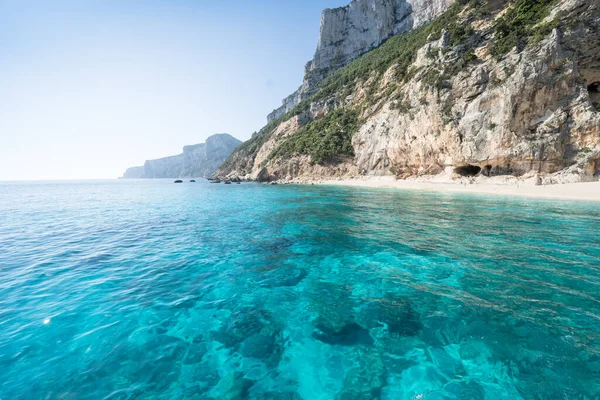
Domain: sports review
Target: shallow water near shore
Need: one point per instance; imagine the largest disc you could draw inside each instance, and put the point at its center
(146, 290)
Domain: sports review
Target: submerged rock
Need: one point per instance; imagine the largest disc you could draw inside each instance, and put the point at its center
(240, 326)
(466, 390)
(258, 346)
(244, 324)
(206, 375)
(253, 334)
(366, 374)
(290, 278)
(276, 244)
(195, 353)
(280, 275)
(233, 386)
(159, 363)
(395, 312)
(280, 396)
(266, 347)
(348, 335)
(332, 304)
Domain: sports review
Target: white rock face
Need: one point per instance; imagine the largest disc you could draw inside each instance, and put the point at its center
(425, 10)
(167, 167)
(529, 113)
(348, 32)
(134, 173)
(200, 160)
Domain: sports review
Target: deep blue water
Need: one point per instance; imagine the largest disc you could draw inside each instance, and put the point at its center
(150, 290)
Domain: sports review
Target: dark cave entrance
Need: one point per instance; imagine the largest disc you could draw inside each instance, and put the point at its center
(467, 170)
(594, 92)
(487, 170)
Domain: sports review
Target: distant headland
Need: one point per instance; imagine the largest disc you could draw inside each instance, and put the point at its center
(199, 160)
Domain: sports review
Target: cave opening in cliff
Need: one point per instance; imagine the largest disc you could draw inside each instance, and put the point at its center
(594, 92)
(467, 170)
(487, 170)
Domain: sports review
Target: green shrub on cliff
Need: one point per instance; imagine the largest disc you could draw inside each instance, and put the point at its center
(518, 25)
(459, 31)
(245, 154)
(328, 139)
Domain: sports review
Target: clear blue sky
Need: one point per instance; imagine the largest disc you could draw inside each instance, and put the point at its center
(91, 87)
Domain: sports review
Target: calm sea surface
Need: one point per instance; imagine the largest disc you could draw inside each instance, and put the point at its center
(150, 290)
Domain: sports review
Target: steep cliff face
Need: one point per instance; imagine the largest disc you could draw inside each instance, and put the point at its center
(490, 88)
(167, 167)
(200, 160)
(348, 32)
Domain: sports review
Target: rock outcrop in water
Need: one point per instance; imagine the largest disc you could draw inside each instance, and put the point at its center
(200, 160)
(348, 32)
(490, 88)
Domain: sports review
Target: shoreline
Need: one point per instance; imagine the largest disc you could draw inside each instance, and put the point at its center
(588, 191)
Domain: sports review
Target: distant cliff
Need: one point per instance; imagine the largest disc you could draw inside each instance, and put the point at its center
(349, 32)
(134, 173)
(200, 160)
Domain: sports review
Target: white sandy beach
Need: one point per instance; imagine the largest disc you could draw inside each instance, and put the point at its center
(572, 191)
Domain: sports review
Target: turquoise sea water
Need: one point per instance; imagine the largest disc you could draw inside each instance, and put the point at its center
(150, 290)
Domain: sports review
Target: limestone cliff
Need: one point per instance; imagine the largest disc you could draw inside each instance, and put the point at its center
(200, 160)
(348, 32)
(492, 88)
(167, 167)
(134, 173)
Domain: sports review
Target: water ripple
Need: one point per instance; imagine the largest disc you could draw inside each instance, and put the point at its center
(122, 290)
